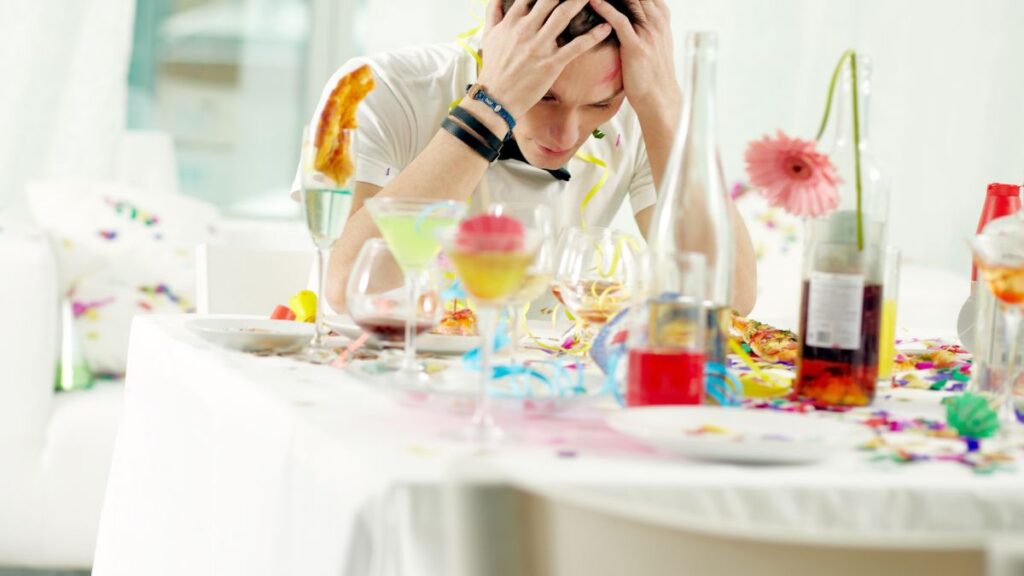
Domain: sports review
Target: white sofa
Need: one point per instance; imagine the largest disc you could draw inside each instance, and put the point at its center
(55, 449)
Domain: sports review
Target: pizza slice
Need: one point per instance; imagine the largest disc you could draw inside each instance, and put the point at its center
(768, 343)
(333, 145)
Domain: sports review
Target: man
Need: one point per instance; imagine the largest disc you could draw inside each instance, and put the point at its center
(562, 69)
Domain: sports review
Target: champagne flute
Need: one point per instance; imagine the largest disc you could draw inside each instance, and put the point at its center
(325, 208)
(492, 267)
(999, 254)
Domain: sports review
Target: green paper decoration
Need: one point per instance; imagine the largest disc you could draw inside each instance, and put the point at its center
(971, 416)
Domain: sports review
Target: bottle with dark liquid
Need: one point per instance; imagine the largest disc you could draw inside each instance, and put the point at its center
(692, 214)
(841, 305)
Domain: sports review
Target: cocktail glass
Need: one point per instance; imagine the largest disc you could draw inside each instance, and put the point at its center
(491, 277)
(411, 229)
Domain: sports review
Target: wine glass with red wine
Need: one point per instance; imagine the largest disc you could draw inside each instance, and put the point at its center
(378, 303)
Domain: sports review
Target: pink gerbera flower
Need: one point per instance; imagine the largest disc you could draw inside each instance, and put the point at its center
(792, 175)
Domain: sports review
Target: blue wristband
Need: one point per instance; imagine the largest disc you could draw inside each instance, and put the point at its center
(477, 93)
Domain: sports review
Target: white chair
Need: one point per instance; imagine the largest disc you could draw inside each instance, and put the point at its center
(500, 529)
(55, 450)
(234, 279)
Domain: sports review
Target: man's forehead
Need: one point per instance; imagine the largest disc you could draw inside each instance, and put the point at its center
(613, 72)
(593, 77)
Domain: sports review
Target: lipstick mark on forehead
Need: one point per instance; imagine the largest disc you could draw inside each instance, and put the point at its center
(612, 72)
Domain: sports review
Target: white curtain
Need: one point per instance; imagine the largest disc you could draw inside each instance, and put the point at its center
(947, 112)
(63, 76)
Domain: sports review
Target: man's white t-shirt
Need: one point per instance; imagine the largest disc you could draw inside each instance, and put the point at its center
(415, 87)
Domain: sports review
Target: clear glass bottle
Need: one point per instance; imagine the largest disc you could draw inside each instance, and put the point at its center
(841, 305)
(692, 213)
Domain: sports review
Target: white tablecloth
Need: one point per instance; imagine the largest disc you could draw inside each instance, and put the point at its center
(228, 463)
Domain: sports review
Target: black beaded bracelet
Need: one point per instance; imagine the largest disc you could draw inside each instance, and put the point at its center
(469, 139)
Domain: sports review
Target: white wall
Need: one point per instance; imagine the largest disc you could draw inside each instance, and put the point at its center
(948, 106)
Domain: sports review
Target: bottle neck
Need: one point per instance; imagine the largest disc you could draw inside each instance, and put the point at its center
(700, 86)
(844, 104)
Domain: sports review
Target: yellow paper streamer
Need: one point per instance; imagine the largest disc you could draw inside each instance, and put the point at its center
(616, 255)
(462, 40)
(591, 159)
(762, 385)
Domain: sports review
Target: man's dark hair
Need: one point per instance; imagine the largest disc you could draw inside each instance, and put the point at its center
(585, 21)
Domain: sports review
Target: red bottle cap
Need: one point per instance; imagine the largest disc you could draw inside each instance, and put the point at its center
(1001, 200)
(997, 189)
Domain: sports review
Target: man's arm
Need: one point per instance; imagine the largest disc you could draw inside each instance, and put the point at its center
(430, 175)
(745, 275)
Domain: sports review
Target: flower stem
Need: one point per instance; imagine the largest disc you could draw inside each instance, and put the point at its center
(852, 56)
(831, 93)
(856, 151)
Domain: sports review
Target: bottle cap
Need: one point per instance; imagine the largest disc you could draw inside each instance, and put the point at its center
(996, 189)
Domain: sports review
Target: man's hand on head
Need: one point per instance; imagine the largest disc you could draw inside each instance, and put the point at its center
(645, 47)
(522, 58)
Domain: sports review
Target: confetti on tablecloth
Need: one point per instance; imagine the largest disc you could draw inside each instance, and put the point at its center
(925, 364)
(921, 364)
(932, 365)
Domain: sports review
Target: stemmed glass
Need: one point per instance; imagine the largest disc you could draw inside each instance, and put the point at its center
(492, 265)
(410, 228)
(539, 275)
(379, 304)
(999, 254)
(325, 208)
(596, 268)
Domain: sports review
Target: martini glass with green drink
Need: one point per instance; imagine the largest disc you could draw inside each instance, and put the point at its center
(325, 208)
(410, 228)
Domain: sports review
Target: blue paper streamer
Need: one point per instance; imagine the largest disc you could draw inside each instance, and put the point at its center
(560, 382)
(722, 386)
(611, 381)
(426, 212)
(471, 359)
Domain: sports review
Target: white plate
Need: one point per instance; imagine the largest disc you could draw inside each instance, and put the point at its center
(751, 436)
(254, 335)
(430, 343)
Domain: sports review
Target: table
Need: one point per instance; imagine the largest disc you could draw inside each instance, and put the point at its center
(228, 463)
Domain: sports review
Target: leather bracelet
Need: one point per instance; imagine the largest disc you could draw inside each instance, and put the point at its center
(469, 140)
(467, 118)
(476, 92)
